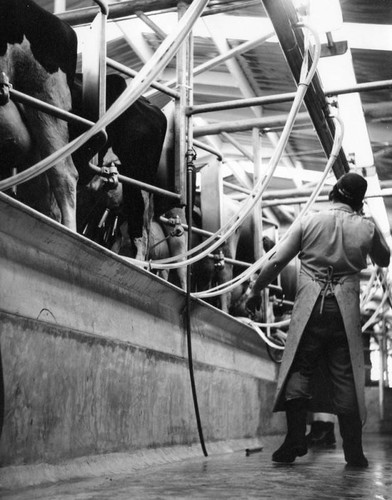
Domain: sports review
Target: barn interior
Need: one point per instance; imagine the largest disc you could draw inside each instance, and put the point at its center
(238, 56)
(235, 80)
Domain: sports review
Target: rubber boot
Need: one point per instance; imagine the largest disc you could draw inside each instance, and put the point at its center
(294, 444)
(321, 434)
(351, 432)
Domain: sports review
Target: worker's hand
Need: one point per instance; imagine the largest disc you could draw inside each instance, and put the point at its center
(253, 304)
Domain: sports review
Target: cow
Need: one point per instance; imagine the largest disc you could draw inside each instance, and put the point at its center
(141, 146)
(135, 141)
(38, 54)
(106, 224)
(215, 270)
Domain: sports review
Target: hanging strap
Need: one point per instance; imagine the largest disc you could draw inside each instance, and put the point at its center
(328, 289)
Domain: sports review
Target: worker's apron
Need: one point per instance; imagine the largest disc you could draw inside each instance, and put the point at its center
(346, 291)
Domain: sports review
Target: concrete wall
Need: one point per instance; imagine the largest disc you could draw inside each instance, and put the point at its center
(94, 353)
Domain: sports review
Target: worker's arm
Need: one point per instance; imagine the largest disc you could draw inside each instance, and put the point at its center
(281, 255)
(380, 252)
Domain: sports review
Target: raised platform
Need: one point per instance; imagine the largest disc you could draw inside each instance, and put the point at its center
(94, 354)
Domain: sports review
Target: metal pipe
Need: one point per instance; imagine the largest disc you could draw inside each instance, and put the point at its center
(360, 87)
(236, 188)
(284, 17)
(229, 54)
(221, 58)
(220, 9)
(132, 73)
(142, 185)
(238, 146)
(142, 16)
(209, 149)
(127, 9)
(49, 108)
(241, 103)
(301, 199)
(118, 10)
(277, 121)
(286, 97)
(290, 201)
(292, 193)
(103, 6)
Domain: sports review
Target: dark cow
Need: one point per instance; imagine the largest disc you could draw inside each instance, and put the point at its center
(141, 145)
(37, 57)
(135, 141)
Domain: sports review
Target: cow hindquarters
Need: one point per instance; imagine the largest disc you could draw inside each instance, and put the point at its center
(51, 135)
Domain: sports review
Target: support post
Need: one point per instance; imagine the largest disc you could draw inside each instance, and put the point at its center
(257, 173)
(181, 122)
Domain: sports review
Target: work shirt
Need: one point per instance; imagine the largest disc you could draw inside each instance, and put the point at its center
(338, 237)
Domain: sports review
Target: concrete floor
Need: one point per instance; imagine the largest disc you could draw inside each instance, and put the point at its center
(319, 475)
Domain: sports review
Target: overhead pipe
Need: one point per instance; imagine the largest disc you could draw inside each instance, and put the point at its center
(241, 103)
(126, 9)
(284, 19)
(270, 122)
(118, 10)
(360, 87)
(285, 97)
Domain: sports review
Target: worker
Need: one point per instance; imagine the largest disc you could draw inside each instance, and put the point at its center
(332, 245)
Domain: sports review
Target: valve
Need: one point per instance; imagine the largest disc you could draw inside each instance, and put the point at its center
(110, 176)
(5, 87)
(219, 260)
(178, 230)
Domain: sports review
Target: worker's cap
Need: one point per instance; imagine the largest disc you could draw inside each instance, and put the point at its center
(352, 187)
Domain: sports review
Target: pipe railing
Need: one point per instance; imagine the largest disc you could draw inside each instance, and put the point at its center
(18, 96)
(128, 9)
(285, 97)
(142, 185)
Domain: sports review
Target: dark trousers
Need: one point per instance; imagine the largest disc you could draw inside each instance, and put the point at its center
(324, 336)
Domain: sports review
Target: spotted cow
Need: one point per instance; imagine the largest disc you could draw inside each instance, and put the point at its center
(37, 57)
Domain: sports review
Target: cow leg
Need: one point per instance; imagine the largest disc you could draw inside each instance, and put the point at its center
(137, 211)
(177, 241)
(224, 276)
(50, 135)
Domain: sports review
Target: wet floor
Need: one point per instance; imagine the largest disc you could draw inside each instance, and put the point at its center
(319, 475)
